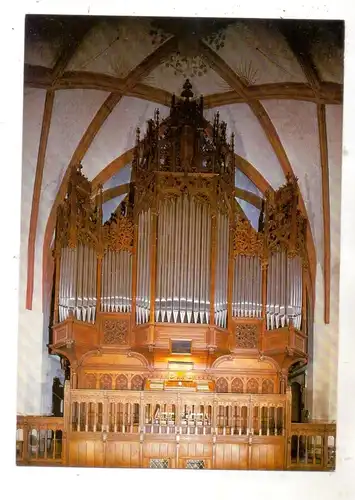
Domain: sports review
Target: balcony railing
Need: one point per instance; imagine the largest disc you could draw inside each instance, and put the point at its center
(311, 446)
(39, 439)
(162, 412)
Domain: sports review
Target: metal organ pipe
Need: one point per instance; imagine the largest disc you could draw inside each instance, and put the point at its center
(221, 270)
(77, 287)
(116, 293)
(284, 291)
(143, 268)
(247, 287)
(183, 272)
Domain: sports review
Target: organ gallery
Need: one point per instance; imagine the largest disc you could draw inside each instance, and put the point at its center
(176, 319)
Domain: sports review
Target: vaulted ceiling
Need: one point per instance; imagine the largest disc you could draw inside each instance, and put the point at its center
(89, 82)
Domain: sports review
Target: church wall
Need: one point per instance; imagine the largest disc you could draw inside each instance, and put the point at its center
(30, 343)
(325, 365)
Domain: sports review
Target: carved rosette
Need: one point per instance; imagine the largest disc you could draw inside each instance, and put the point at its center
(246, 336)
(115, 332)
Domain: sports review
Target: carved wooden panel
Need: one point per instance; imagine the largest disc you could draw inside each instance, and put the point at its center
(246, 336)
(90, 381)
(221, 385)
(252, 386)
(115, 331)
(121, 382)
(137, 383)
(106, 382)
(267, 386)
(237, 385)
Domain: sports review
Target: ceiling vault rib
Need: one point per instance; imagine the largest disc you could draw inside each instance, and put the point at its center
(323, 144)
(71, 45)
(300, 50)
(139, 72)
(225, 72)
(36, 196)
(40, 77)
(243, 194)
(113, 192)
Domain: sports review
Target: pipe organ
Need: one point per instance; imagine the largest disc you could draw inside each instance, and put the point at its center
(180, 250)
(176, 316)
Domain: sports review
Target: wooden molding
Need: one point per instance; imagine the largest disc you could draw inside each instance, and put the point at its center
(36, 196)
(323, 144)
(139, 72)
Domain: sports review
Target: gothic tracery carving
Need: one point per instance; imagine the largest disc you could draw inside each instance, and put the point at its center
(115, 331)
(246, 336)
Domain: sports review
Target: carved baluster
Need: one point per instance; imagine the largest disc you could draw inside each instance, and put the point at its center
(95, 416)
(86, 413)
(79, 416)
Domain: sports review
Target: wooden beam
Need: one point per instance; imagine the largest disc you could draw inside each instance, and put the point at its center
(36, 196)
(323, 143)
(139, 72)
(40, 77)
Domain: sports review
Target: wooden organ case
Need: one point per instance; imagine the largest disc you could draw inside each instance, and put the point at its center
(179, 320)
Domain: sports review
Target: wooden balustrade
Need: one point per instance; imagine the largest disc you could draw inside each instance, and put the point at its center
(254, 427)
(161, 412)
(39, 439)
(311, 446)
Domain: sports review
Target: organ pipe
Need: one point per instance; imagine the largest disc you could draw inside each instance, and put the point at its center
(284, 291)
(247, 287)
(77, 286)
(183, 257)
(116, 281)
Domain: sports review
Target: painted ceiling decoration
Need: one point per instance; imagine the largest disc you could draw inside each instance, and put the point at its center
(111, 73)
